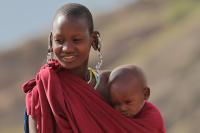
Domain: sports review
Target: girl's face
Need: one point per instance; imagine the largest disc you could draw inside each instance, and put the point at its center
(71, 41)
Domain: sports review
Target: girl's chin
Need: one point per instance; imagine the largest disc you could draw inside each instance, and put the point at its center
(72, 64)
(69, 65)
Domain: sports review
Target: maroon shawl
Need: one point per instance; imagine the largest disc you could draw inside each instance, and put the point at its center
(63, 103)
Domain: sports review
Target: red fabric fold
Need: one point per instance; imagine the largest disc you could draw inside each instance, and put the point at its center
(63, 103)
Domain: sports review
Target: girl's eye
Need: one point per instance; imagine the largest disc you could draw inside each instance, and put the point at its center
(76, 40)
(59, 42)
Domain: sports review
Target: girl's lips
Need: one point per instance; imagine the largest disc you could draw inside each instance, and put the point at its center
(69, 58)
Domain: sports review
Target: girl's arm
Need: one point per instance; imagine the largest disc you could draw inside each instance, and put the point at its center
(103, 86)
(32, 125)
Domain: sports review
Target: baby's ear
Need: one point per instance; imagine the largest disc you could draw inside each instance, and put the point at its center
(146, 93)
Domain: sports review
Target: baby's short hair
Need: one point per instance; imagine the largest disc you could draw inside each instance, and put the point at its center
(77, 11)
(121, 72)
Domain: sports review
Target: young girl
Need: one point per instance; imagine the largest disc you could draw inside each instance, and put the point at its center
(64, 95)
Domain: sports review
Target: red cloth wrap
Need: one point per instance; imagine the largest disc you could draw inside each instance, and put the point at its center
(63, 103)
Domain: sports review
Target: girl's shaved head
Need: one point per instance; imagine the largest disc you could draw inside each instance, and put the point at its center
(76, 11)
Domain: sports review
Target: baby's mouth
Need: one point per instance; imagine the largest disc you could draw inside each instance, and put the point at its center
(125, 113)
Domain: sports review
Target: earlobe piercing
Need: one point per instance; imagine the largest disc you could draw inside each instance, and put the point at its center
(50, 54)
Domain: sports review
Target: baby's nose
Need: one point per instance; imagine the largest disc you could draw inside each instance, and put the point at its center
(123, 108)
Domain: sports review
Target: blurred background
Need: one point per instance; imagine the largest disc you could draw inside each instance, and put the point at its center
(161, 36)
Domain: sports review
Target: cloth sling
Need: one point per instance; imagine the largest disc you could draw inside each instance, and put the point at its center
(63, 103)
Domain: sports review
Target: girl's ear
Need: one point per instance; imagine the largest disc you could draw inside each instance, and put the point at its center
(95, 40)
(146, 93)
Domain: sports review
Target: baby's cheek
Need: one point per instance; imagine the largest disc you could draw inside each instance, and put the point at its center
(116, 108)
(134, 108)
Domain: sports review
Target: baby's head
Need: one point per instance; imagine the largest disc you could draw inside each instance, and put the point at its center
(128, 89)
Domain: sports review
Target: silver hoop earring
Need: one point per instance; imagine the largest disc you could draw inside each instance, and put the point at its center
(100, 62)
(50, 56)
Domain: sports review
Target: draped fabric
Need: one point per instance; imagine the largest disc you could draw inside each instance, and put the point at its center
(63, 103)
(151, 118)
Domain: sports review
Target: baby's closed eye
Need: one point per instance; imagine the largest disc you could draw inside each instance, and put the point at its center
(128, 102)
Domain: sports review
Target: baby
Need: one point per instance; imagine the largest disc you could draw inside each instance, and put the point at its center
(129, 94)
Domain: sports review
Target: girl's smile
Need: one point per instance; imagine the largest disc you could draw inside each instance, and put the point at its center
(69, 58)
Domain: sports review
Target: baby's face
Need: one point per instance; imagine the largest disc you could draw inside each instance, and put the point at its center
(128, 98)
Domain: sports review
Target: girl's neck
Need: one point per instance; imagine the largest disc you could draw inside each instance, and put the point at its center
(81, 72)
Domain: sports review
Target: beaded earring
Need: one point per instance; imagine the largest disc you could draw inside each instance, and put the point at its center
(99, 46)
(50, 54)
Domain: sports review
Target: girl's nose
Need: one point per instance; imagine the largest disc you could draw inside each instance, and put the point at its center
(67, 47)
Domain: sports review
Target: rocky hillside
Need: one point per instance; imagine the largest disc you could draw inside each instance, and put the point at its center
(160, 36)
